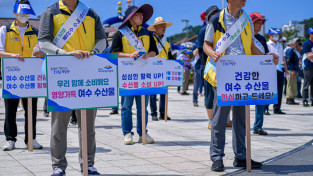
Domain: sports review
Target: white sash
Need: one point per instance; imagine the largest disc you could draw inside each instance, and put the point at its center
(228, 38)
(134, 41)
(71, 25)
(259, 45)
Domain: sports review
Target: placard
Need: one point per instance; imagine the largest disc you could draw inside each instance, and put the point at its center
(23, 79)
(142, 76)
(246, 80)
(75, 84)
(174, 72)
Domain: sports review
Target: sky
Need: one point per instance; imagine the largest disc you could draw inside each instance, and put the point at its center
(278, 12)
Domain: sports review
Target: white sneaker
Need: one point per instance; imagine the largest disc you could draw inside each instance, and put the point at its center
(149, 139)
(10, 145)
(36, 145)
(128, 139)
(20, 108)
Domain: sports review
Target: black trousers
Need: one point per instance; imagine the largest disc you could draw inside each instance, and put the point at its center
(10, 128)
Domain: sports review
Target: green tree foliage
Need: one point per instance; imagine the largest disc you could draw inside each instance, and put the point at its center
(308, 23)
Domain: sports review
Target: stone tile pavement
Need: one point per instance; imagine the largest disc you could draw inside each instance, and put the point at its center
(181, 147)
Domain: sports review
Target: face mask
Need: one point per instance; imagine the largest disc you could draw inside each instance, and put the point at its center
(23, 18)
(276, 37)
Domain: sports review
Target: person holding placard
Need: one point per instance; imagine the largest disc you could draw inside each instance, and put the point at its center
(258, 21)
(134, 41)
(70, 27)
(222, 38)
(18, 39)
(275, 47)
(165, 50)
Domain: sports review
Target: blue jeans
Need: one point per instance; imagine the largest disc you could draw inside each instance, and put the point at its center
(127, 121)
(153, 105)
(198, 78)
(259, 117)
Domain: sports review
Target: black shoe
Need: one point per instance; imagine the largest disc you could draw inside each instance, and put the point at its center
(292, 102)
(287, 101)
(217, 166)
(184, 93)
(260, 132)
(267, 113)
(279, 112)
(46, 114)
(114, 112)
(242, 163)
(306, 103)
(195, 105)
(155, 118)
(162, 117)
(73, 122)
(311, 103)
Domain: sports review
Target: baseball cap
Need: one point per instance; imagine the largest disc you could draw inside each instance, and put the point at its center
(310, 30)
(274, 31)
(256, 16)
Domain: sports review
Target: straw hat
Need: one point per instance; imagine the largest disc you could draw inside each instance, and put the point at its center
(157, 21)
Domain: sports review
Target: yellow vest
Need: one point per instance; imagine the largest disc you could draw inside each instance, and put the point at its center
(219, 31)
(84, 37)
(164, 52)
(143, 35)
(13, 43)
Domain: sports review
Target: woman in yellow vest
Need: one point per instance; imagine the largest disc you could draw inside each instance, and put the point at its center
(135, 17)
(165, 50)
(18, 39)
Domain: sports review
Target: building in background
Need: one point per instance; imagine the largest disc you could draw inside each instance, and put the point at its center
(295, 25)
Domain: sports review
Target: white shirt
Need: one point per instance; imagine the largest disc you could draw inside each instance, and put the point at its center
(3, 34)
(278, 49)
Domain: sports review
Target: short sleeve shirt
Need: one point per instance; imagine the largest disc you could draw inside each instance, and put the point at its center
(276, 48)
(117, 45)
(236, 48)
(307, 47)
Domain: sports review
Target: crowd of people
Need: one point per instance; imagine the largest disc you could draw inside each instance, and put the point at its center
(294, 63)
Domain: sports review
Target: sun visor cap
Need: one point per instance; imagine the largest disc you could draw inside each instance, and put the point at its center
(23, 7)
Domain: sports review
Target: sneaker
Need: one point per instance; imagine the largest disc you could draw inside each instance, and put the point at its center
(36, 145)
(195, 105)
(306, 103)
(128, 139)
(149, 139)
(184, 93)
(279, 112)
(266, 112)
(10, 145)
(162, 117)
(72, 123)
(46, 114)
(113, 112)
(260, 132)
(155, 118)
(20, 108)
(92, 171)
(217, 166)
(242, 163)
(58, 172)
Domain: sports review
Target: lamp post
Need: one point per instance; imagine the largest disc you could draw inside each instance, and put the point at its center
(186, 21)
(223, 4)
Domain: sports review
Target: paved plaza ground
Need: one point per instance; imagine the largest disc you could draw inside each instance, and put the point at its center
(181, 147)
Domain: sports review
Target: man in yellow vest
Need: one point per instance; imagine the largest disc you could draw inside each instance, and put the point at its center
(87, 38)
(165, 50)
(126, 45)
(18, 39)
(219, 24)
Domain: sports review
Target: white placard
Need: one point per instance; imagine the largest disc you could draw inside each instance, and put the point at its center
(246, 80)
(82, 84)
(23, 79)
(142, 76)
